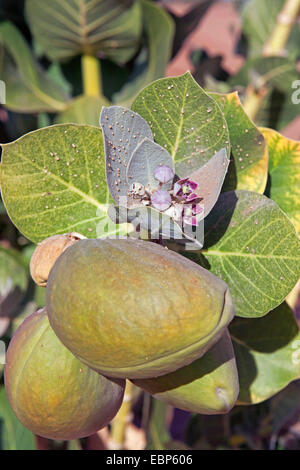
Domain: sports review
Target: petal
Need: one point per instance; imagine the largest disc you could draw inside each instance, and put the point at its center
(161, 200)
(193, 185)
(177, 189)
(192, 197)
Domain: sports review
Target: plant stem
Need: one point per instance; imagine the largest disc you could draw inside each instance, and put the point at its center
(91, 75)
(285, 21)
(118, 425)
(275, 46)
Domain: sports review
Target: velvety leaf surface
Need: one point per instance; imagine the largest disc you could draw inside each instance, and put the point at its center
(184, 120)
(13, 435)
(210, 178)
(267, 352)
(159, 32)
(123, 131)
(284, 169)
(53, 181)
(145, 159)
(150, 220)
(259, 18)
(66, 29)
(249, 151)
(28, 88)
(251, 244)
(82, 110)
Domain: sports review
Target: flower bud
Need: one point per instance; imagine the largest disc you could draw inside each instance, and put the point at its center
(164, 173)
(47, 252)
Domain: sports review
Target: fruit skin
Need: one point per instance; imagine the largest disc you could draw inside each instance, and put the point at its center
(130, 308)
(50, 391)
(208, 386)
(46, 253)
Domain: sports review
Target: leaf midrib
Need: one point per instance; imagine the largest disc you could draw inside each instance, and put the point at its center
(246, 255)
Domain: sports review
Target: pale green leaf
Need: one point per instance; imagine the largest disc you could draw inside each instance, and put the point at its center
(159, 32)
(28, 88)
(82, 110)
(259, 19)
(184, 120)
(13, 435)
(267, 352)
(13, 281)
(53, 181)
(66, 29)
(278, 72)
(249, 152)
(158, 434)
(284, 169)
(251, 244)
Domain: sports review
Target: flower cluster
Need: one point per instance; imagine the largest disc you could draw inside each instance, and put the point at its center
(180, 202)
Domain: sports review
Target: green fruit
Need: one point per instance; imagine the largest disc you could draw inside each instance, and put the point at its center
(130, 308)
(50, 391)
(207, 386)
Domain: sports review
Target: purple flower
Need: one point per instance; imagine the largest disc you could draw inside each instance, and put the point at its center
(161, 200)
(163, 173)
(185, 189)
(190, 213)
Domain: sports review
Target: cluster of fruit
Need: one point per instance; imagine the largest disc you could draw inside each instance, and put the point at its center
(115, 310)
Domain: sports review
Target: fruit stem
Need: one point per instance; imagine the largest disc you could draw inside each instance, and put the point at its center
(91, 75)
(119, 423)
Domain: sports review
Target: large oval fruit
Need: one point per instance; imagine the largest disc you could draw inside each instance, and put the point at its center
(50, 391)
(130, 308)
(207, 386)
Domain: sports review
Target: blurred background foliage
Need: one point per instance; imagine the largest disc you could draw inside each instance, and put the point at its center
(61, 61)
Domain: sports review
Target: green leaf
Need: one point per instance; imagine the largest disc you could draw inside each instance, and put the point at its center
(284, 169)
(145, 159)
(277, 109)
(82, 110)
(159, 32)
(28, 88)
(184, 120)
(13, 435)
(251, 244)
(267, 352)
(278, 72)
(249, 151)
(53, 181)
(13, 281)
(276, 75)
(66, 29)
(259, 19)
(158, 434)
